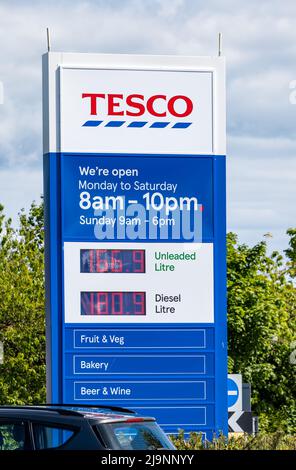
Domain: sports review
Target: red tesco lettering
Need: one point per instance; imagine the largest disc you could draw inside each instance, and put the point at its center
(136, 105)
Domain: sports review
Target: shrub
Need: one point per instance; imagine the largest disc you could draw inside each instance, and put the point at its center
(272, 441)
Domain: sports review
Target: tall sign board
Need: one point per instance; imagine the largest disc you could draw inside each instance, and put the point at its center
(134, 182)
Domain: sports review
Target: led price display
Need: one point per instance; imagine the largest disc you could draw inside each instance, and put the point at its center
(113, 303)
(112, 261)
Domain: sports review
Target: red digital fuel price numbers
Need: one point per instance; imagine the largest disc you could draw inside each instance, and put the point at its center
(113, 303)
(112, 261)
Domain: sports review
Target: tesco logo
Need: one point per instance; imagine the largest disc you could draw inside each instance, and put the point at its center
(116, 105)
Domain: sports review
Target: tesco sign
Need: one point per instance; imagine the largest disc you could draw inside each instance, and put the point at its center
(117, 104)
(135, 109)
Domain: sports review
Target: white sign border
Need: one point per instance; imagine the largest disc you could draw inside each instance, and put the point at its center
(54, 62)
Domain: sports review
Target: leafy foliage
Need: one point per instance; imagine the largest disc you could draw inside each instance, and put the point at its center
(261, 319)
(262, 327)
(22, 322)
(272, 441)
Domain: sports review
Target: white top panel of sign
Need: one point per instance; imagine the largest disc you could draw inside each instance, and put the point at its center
(133, 104)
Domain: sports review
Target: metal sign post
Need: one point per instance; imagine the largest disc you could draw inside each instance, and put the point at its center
(134, 172)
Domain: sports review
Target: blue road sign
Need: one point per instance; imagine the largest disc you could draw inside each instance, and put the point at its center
(232, 392)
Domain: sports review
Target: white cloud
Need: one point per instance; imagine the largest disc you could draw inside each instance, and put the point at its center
(19, 188)
(259, 42)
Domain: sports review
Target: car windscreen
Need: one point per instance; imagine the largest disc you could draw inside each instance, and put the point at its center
(143, 435)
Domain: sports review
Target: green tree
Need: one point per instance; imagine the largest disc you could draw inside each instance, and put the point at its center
(261, 319)
(291, 253)
(261, 328)
(22, 322)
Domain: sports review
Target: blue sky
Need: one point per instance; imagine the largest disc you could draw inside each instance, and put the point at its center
(259, 42)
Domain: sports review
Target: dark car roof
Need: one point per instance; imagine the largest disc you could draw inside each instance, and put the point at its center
(100, 413)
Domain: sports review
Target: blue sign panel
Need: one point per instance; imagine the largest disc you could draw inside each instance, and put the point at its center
(141, 339)
(142, 364)
(94, 188)
(132, 391)
(139, 327)
(192, 416)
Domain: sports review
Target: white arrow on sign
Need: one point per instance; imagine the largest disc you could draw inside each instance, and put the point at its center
(232, 421)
